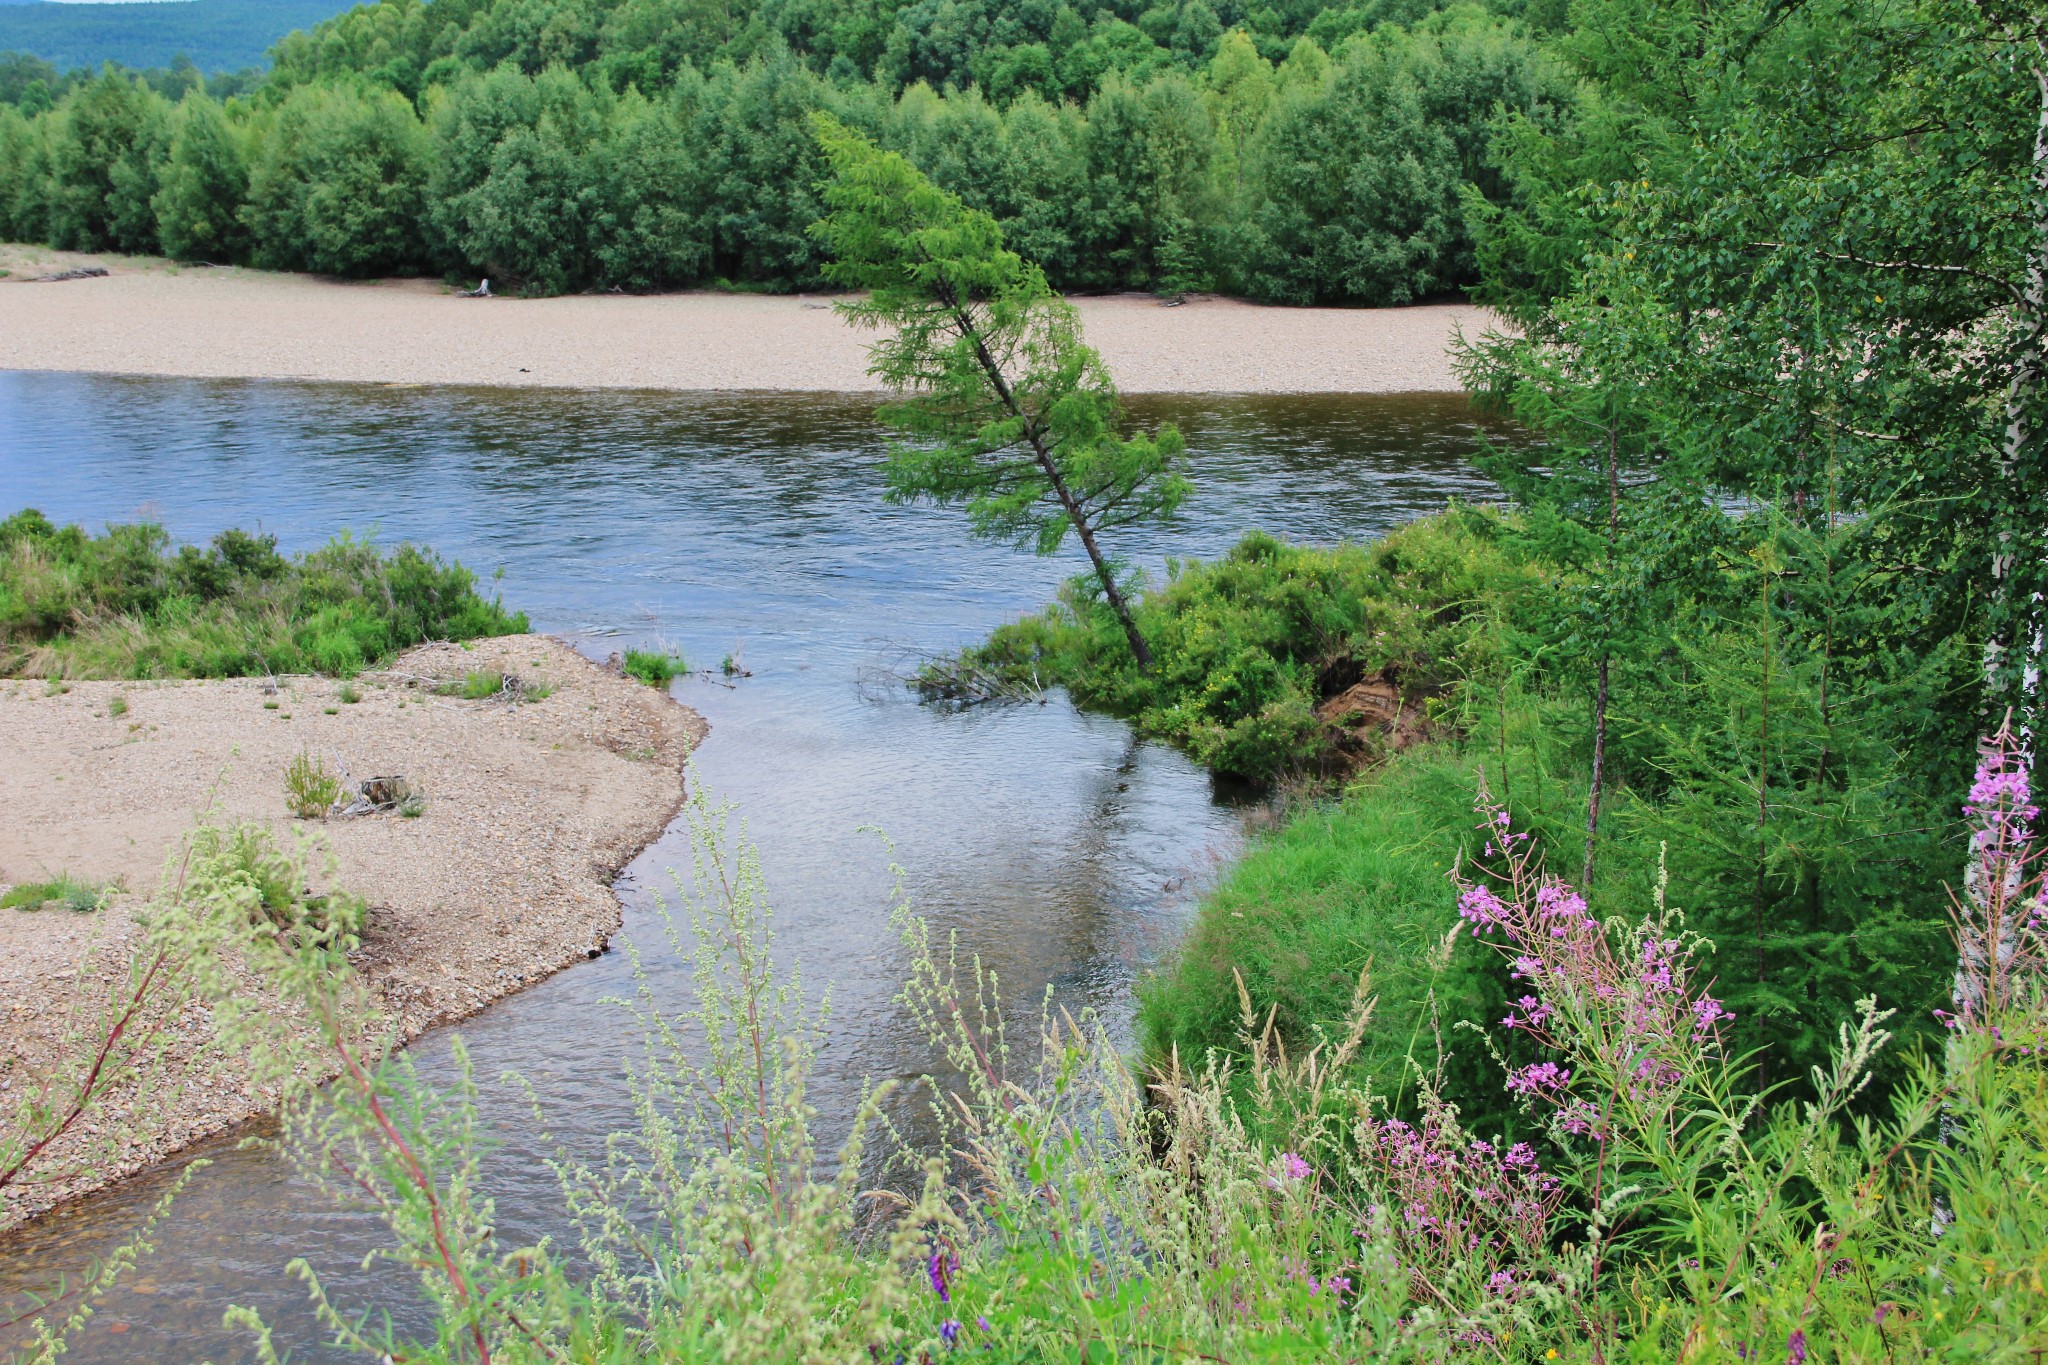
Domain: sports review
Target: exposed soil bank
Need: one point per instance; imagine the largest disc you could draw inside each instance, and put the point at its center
(151, 317)
(504, 879)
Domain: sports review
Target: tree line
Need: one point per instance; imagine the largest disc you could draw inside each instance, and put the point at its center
(1320, 156)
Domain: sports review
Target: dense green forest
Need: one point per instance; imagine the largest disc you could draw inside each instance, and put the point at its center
(215, 36)
(1299, 153)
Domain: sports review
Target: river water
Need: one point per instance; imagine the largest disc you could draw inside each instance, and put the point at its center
(1065, 852)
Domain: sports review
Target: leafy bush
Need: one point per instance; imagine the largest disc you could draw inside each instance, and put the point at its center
(310, 790)
(123, 604)
(656, 668)
(1248, 646)
(274, 887)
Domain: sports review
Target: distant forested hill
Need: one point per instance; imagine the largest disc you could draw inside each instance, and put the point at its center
(218, 35)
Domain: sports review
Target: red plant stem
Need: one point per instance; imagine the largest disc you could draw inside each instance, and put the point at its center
(144, 991)
(366, 1088)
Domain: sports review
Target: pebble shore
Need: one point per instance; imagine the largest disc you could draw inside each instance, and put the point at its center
(530, 808)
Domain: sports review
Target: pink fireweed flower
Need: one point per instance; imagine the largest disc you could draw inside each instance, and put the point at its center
(1294, 1168)
(1539, 1078)
(1998, 786)
(1481, 907)
(1706, 1012)
(1527, 1013)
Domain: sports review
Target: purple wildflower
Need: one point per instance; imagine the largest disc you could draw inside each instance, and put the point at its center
(949, 1332)
(1479, 905)
(1795, 1349)
(1538, 1078)
(1294, 1168)
(936, 1268)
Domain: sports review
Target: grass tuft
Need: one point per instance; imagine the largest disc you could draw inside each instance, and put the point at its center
(655, 668)
(73, 893)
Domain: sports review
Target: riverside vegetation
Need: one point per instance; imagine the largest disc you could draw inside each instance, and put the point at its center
(1670, 988)
(1663, 1207)
(124, 604)
(1774, 557)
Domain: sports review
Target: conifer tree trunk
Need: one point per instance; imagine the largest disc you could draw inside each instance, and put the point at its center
(1035, 438)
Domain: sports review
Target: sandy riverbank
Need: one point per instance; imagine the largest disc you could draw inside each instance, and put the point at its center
(152, 317)
(504, 879)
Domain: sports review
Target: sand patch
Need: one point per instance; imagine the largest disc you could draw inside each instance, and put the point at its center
(153, 317)
(504, 878)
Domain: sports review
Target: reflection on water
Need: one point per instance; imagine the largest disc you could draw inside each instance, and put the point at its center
(1060, 849)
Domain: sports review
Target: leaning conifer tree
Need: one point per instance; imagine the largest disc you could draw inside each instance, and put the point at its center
(1005, 409)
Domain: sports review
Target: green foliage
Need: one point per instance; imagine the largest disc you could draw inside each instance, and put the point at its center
(1249, 646)
(72, 893)
(656, 668)
(122, 604)
(106, 146)
(1779, 447)
(270, 884)
(1357, 181)
(1009, 413)
(558, 145)
(310, 790)
(339, 186)
(204, 186)
(475, 685)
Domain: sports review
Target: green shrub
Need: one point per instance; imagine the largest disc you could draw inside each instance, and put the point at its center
(310, 789)
(273, 886)
(1249, 645)
(655, 668)
(124, 604)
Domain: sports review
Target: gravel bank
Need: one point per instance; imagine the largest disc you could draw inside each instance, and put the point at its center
(504, 879)
(150, 317)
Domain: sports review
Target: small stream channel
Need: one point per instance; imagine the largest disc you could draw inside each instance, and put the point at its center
(1064, 851)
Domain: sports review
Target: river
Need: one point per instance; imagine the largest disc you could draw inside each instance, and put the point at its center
(1065, 852)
